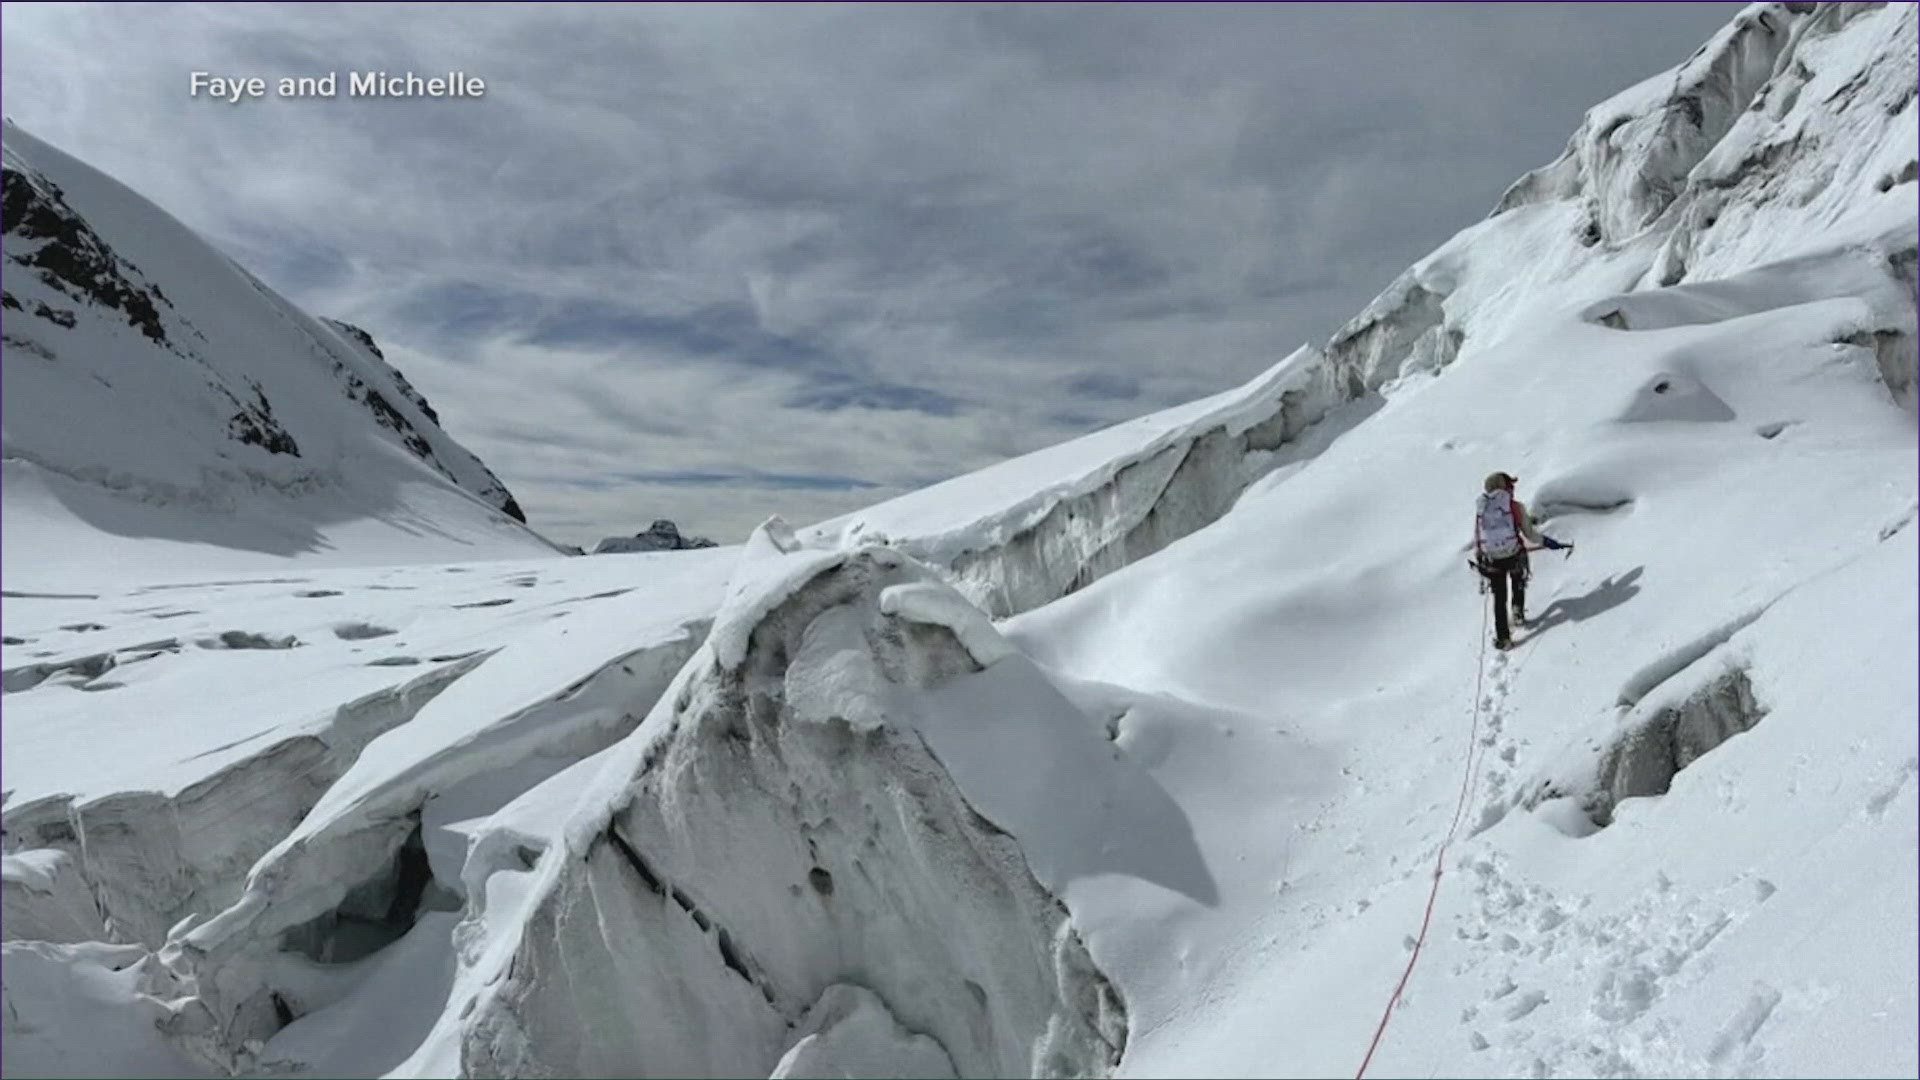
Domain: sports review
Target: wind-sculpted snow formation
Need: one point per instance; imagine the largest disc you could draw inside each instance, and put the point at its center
(806, 809)
(156, 391)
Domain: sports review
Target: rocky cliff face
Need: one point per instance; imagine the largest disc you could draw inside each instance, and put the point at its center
(462, 467)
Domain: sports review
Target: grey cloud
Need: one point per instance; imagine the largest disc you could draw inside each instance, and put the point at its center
(760, 480)
(1103, 385)
(876, 242)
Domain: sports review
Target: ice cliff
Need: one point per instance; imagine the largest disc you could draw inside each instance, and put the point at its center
(859, 878)
(798, 855)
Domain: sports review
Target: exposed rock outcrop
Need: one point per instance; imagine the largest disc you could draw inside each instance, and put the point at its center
(464, 468)
(47, 237)
(662, 535)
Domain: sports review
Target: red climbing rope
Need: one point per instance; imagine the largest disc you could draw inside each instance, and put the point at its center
(1440, 858)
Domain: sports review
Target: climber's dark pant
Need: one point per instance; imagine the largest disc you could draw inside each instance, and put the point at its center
(1511, 570)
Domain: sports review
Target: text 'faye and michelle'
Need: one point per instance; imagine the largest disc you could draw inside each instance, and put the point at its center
(357, 84)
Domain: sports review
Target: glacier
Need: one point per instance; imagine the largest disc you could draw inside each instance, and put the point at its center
(1132, 756)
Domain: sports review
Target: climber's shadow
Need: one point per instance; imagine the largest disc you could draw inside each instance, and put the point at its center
(1606, 596)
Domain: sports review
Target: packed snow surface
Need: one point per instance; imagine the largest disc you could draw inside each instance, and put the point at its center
(1131, 757)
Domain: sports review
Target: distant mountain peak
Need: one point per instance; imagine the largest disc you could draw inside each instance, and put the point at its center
(662, 535)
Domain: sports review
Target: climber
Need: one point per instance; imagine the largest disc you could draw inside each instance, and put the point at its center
(1501, 529)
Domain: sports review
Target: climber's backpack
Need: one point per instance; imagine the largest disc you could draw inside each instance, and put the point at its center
(1496, 525)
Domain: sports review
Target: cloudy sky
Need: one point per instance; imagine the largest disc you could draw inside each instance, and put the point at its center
(710, 262)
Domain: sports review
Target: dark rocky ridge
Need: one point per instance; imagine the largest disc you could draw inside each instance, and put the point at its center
(72, 258)
(662, 535)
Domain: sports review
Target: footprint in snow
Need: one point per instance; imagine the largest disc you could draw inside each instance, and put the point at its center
(394, 661)
(1490, 815)
(312, 594)
(1877, 804)
(1525, 1004)
(1746, 1023)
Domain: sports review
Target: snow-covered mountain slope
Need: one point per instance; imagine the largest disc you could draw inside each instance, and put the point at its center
(1790, 135)
(162, 404)
(802, 809)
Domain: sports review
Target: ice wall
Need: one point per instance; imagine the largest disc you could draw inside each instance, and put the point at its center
(779, 833)
(1033, 529)
(148, 859)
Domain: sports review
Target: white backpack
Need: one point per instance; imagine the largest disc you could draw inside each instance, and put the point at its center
(1494, 530)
